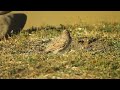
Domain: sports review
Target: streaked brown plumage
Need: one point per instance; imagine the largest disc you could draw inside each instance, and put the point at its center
(59, 43)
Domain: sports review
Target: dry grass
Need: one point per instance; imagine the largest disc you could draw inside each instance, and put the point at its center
(93, 53)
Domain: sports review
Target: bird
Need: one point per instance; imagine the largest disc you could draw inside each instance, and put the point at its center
(59, 43)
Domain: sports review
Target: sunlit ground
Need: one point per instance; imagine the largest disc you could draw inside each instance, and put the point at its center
(93, 53)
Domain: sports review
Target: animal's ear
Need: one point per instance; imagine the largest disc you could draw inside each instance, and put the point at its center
(18, 22)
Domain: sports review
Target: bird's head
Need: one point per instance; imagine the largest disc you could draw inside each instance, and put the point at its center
(66, 31)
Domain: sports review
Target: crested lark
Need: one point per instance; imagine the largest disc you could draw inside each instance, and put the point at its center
(59, 43)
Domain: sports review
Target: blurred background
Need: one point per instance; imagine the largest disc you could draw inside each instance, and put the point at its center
(38, 18)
